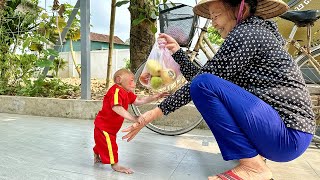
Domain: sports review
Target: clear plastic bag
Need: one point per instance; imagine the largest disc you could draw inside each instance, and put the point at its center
(160, 69)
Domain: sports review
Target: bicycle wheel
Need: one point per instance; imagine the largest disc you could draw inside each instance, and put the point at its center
(178, 122)
(310, 74)
(312, 78)
(316, 137)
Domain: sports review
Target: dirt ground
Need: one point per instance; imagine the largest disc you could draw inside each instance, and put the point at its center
(98, 88)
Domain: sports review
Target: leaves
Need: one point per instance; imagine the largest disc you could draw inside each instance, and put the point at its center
(120, 3)
(44, 16)
(139, 20)
(149, 11)
(31, 30)
(47, 88)
(61, 23)
(75, 35)
(214, 36)
(44, 63)
(52, 52)
(36, 47)
(153, 29)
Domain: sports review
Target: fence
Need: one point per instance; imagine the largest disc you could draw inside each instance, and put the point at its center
(98, 65)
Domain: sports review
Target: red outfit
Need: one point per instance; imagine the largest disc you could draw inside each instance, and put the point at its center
(108, 123)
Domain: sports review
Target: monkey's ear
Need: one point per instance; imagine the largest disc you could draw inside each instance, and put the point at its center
(118, 80)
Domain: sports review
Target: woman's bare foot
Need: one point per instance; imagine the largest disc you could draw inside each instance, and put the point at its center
(250, 169)
(122, 169)
(96, 158)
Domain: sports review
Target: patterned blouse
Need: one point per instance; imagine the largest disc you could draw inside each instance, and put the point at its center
(252, 56)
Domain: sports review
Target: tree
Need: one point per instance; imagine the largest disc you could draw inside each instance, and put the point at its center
(143, 28)
(142, 38)
(26, 26)
(111, 37)
(17, 21)
(63, 12)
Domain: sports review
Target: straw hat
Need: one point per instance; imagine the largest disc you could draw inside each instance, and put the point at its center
(265, 8)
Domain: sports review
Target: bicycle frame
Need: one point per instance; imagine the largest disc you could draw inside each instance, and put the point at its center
(308, 55)
(202, 42)
(306, 51)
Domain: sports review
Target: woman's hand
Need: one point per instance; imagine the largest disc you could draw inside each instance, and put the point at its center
(171, 43)
(161, 95)
(143, 120)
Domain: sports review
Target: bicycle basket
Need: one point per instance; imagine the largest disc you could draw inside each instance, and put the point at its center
(178, 21)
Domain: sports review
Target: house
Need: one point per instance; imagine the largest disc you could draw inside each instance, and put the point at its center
(98, 42)
(98, 55)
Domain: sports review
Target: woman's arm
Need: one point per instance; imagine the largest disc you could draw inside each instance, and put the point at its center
(144, 100)
(187, 68)
(144, 119)
(173, 102)
(178, 99)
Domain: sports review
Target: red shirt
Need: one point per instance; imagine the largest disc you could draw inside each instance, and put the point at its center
(108, 120)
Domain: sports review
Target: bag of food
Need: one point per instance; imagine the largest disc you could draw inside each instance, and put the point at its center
(160, 69)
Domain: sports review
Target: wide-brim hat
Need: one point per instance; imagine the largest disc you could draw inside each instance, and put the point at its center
(265, 8)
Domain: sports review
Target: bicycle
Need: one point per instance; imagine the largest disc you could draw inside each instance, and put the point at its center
(168, 126)
(171, 18)
(308, 58)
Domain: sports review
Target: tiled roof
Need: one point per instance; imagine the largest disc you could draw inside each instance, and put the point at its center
(104, 38)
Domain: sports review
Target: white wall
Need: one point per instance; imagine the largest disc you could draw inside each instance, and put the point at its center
(99, 63)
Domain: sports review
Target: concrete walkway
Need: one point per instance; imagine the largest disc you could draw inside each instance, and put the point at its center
(33, 147)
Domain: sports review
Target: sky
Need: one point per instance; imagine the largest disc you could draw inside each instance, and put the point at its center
(100, 11)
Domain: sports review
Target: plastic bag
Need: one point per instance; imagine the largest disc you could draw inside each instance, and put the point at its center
(160, 69)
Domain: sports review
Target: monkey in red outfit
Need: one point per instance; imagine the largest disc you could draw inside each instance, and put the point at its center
(110, 118)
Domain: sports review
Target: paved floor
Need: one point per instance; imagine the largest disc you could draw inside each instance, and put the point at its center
(33, 147)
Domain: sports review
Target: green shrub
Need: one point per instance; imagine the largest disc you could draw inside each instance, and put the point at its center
(47, 88)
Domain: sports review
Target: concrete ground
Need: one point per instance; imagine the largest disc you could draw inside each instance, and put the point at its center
(34, 147)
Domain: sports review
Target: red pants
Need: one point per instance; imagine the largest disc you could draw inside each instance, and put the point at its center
(106, 146)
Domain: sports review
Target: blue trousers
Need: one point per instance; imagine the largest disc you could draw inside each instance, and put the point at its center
(243, 124)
